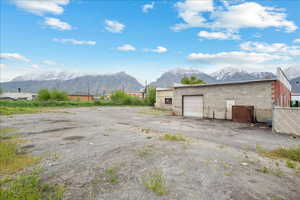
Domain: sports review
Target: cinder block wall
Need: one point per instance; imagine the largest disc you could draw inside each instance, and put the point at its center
(160, 99)
(257, 94)
(286, 120)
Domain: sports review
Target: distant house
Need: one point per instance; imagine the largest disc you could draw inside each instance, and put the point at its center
(136, 94)
(17, 96)
(296, 97)
(81, 97)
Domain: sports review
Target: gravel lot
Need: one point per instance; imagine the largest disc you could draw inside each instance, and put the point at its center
(81, 146)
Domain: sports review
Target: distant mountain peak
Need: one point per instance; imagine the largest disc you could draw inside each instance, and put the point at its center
(227, 72)
(47, 75)
(184, 70)
(292, 72)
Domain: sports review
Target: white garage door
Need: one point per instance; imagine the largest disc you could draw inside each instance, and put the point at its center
(193, 106)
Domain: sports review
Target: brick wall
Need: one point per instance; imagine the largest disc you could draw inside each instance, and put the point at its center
(286, 120)
(281, 95)
(80, 98)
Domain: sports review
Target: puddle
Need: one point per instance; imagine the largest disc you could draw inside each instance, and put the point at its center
(75, 137)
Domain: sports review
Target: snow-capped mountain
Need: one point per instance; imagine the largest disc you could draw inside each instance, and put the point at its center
(47, 75)
(235, 74)
(292, 72)
(94, 84)
(173, 76)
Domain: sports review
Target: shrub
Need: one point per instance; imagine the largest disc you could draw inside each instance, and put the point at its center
(121, 98)
(56, 95)
(151, 95)
(43, 95)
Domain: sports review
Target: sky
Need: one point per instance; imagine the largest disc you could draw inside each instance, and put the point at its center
(146, 38)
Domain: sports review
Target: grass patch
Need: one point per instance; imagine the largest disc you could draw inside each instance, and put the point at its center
(12, 158)
(29, 187)
(285, 153)
(170, 137)
(276, 172)
(5, 136)
(7, 130)
(291, 164)
(155, 181)
(5, 110)
(155, 112)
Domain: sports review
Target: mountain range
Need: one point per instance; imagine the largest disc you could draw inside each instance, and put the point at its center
(102, 84)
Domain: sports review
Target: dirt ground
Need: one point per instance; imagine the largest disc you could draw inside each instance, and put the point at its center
(109, 153)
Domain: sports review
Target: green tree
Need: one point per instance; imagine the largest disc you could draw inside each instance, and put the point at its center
(58, 95)
(1, 90)
(150, 95)
(192, 80)
(43, 95)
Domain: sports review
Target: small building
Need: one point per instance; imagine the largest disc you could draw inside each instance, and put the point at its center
(17, 96)
(164, 98)
(81, 97)
(296, 97)
(136, 94)
(217, 100)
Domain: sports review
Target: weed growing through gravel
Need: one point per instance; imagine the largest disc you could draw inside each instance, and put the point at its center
(276, 172)
(286, 153)
(112, 176)
(12, 159)
(290, 164)
(145, 151)
(155, 112)
(155, 181)
(29, 187)
(174, 137)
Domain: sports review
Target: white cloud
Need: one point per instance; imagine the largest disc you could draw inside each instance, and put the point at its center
(191, 13)
(158, 49)
(8, 72)
(251, 14)
(40, 7)
(49, 62)
(231, 17)
(126, 47)
(147, 7)
(75, 42)
(35, 66)
(114, 26)
(218, 35)
(234, 57)
(14, 56)
(275, 48)
(297, 40)
(57, 24)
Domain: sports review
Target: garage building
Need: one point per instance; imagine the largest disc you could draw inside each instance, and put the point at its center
(217, 100)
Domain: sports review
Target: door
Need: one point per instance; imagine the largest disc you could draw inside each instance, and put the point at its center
(229, 104)
(193, 106)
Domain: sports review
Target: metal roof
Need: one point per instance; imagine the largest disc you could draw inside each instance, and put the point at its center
(225, 83)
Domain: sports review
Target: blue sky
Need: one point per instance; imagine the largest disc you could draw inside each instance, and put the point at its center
(147, 38)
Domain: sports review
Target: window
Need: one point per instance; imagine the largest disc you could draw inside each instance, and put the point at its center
(168, 100)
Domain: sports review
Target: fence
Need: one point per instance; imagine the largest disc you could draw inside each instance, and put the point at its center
(286, 120)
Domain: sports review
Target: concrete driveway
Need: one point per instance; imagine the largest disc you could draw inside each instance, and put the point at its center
(112, 152)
